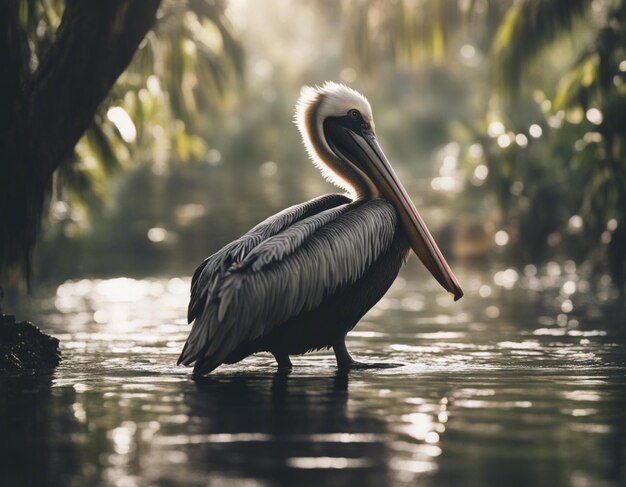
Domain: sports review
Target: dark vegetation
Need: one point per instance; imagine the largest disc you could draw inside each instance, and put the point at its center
(49, 95)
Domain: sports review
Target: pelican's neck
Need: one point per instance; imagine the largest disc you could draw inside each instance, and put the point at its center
(335, 169)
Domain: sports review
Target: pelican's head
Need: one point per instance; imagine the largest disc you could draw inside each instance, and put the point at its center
(337, 129)
(317, 110)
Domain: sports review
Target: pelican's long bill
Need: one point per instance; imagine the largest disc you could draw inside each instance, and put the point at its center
(360, 148)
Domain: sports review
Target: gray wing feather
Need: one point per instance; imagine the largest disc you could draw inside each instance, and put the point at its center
(288, 273)
(213, 268)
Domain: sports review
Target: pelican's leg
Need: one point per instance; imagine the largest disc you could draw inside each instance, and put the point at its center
(284, 363)
(344, 360)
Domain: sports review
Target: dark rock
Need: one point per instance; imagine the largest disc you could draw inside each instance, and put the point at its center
(24, 346)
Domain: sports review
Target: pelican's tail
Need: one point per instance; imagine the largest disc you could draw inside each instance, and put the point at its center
(195, 344)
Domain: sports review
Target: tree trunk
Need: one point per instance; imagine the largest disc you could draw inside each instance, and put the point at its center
(43, 115)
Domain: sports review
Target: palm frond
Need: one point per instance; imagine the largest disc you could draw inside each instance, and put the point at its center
(409, 31)
(527, 29)
(181, 72)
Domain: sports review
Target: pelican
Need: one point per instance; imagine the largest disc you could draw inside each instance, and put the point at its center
(302, 279)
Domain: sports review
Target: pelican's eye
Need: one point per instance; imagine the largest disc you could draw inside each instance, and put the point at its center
(354, 114)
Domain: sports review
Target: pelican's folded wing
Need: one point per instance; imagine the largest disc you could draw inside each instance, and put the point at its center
(213, 268)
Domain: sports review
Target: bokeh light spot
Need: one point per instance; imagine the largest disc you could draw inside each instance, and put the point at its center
(594, 116)
(501, 238)
(535, 131)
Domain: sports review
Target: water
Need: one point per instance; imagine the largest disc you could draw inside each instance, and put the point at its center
(501, 387)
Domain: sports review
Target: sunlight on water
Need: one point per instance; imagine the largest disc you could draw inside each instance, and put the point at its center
(328, 462)
(504, 373)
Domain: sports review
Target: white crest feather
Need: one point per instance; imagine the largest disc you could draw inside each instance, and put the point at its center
(329, 100)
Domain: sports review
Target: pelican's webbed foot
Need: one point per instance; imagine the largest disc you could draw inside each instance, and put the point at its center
(346, 362)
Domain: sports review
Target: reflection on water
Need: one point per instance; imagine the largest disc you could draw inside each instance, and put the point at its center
(506, 385)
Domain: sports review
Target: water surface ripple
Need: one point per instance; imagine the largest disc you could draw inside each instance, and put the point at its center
(500, 387)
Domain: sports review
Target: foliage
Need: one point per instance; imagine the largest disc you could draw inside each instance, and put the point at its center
(410, 32)
(551, 194)
(588, 177)
(186, 66)
(528, 27)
